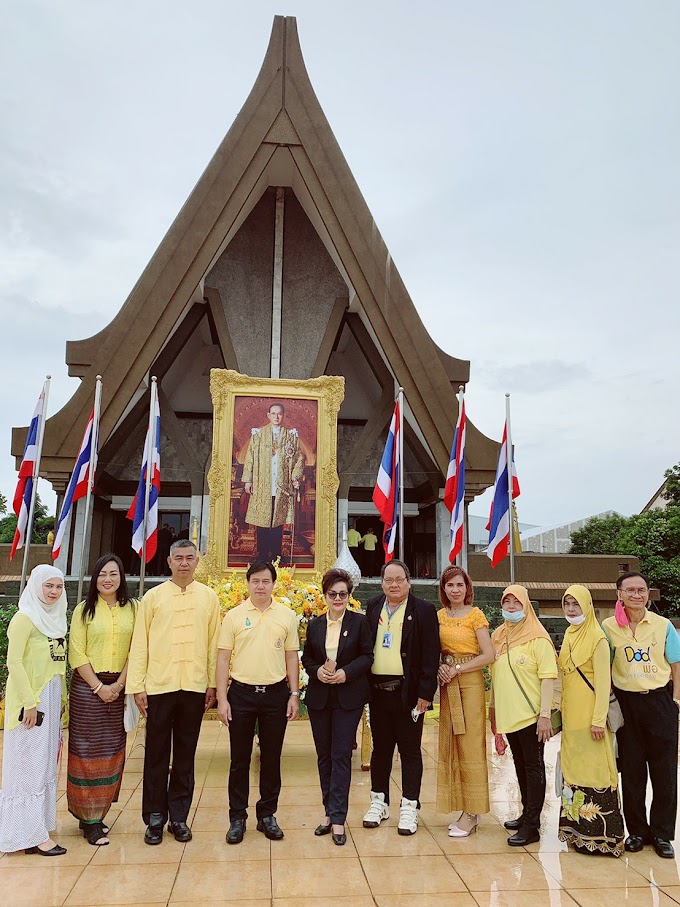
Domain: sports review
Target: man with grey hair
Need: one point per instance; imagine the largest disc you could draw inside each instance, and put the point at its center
(171, 672)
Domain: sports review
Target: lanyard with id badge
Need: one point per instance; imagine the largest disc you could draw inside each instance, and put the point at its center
(387, 638)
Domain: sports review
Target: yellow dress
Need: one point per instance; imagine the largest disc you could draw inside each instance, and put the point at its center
(462, 780)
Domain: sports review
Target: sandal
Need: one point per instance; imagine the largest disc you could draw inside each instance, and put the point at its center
(83, 825)
(95, 835)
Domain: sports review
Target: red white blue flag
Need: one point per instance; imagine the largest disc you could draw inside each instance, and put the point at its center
(386, 491)
(454, 490)
(85, 468)
(24, 490)
(152, 453)
(499, 524)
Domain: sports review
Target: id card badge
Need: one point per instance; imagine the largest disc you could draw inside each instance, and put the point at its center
(387, 641)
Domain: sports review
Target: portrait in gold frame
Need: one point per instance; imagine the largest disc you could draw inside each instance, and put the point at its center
(324, 396)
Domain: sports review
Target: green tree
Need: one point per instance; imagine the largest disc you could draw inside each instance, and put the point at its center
(42, 524)
(3, 503)
(672, 490)
(599, 535)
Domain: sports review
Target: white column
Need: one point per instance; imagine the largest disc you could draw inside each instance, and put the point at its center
(343, 517)
(78, 535)
(277, 285)
(195, 513)
(443, 527)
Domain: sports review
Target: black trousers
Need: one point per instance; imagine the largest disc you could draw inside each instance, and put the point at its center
(530, 767)
(269, 543)
(335, 731)
(173, 724)
(648, 746)
(392, 725)
(268, 710)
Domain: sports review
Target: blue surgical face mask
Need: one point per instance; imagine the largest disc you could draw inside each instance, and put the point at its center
(575, 621)
(512, 617)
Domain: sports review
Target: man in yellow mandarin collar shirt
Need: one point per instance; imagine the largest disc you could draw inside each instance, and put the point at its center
(258, 649)
(172, 675)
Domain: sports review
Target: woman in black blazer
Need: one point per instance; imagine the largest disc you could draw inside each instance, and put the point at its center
(338, 655)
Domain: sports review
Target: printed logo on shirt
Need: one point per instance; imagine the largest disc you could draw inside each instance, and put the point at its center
(636, 654)
(248, 623)
(279, 642)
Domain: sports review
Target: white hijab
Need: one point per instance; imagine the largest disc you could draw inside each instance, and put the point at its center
(49, 619)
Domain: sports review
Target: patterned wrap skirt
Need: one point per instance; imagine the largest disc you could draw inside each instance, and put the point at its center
(591, 820)
(96, 750)
(30, 768)
(462, 778)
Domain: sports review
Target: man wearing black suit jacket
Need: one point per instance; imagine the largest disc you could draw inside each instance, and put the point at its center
(406, 651)
(337, 656)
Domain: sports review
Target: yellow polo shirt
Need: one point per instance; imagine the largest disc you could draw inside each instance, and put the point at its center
(104, 641)
(258, 641)
(388, 660)
(353, 538)
(642, 662)
(174, 643)
(333, 629)
(532, 662)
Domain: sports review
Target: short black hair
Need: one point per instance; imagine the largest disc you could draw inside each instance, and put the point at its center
(336, 575)
(183, 543)
(259, 566)
(280, 405)
(630, 575)
(395, 563)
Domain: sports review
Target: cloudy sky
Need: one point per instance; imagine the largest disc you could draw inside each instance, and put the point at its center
(520, 159)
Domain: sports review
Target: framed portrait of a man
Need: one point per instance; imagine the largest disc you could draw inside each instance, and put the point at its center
(273, 478)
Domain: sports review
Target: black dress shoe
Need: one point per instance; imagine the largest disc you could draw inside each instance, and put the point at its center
(514, 824)
(339, 839)
(55, 851)
(523, 837)
(633, 843)
(323, 829)
(181, 831)
(663, 848)
(237, 830)
(270, 828)
(153, 834)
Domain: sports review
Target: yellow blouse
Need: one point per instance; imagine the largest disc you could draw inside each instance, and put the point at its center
(32, 661)
(104, 641)
(459, 634)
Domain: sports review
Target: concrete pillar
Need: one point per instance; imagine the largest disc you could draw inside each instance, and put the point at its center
(343, 517)
(443, 529)
(79, 534)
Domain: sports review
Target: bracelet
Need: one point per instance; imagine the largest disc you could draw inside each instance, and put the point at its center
(96, 689)
(295, 693)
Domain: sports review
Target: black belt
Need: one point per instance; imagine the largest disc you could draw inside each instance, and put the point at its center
(258, 688)
(387, 686)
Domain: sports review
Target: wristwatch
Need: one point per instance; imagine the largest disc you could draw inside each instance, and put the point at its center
(295, 693)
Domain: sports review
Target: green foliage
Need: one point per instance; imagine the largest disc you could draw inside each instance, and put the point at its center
(672, 490)
(42, 524)
(3, 503)
(7, 612)
(653, 537)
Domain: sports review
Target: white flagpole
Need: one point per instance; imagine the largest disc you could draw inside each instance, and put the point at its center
(94, 443)
(463, 556)
(151, 439)
(34, 489)
(508, 450)
(401, 473)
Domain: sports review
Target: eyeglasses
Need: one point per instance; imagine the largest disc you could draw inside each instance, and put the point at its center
(334, 596)
(640, 591)
(394, 582)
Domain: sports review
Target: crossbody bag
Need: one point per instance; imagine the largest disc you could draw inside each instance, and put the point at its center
(555, 714)
(614, 713)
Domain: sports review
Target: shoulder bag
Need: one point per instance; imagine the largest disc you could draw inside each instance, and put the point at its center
(555, 714)
(614, 713)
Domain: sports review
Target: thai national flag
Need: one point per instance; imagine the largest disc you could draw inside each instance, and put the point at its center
(152, 450)
(499, 524)
(86, 465)
(386, 491)
(454, 490)
(24, 490)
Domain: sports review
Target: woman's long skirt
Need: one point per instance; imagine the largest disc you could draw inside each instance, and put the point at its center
(28, 800)
(462, 779)
(96, 750)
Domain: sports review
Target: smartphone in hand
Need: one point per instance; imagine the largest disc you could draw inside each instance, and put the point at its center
(329, 666)
(38, 720)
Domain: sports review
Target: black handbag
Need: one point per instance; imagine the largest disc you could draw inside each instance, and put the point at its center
(555, 714)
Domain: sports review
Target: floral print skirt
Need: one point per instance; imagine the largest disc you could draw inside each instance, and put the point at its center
(591, 820)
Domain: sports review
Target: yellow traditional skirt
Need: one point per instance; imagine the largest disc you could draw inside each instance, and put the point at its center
(462, 778)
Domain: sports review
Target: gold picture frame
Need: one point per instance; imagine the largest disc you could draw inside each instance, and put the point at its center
(324, 395)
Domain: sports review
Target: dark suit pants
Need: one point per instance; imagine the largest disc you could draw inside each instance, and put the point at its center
(648, 744)
(335, 732)
(268, 710)
(173, 724)
(392, 725)
(530, 767)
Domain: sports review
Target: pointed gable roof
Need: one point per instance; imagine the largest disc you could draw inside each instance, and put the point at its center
(281, 110)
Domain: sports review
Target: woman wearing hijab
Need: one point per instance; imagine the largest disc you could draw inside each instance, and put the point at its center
(99, 643)
(591, 816)
(522, 678)
(36, 660)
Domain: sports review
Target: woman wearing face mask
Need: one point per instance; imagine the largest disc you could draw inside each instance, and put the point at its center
(591, 816)
(99, 643)
(36, 660)
(522, 678)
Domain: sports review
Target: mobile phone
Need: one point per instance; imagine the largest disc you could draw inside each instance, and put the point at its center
(39, 719)
(329, 666)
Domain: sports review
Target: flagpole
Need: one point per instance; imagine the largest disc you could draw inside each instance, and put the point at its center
(401, 473)
(34, 489)
(508, 451)
(464, 550)
(94, 444)
(151, 438)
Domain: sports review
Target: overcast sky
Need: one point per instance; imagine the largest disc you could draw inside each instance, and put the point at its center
(521, 160)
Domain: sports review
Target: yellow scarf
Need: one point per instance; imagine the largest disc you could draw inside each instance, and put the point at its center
(510, 635)
(580, 641)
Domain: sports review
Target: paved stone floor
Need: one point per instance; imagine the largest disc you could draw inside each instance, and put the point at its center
(376, 867)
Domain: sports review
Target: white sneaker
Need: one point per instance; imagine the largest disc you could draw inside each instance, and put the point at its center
(377, 811)
(408, 817)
